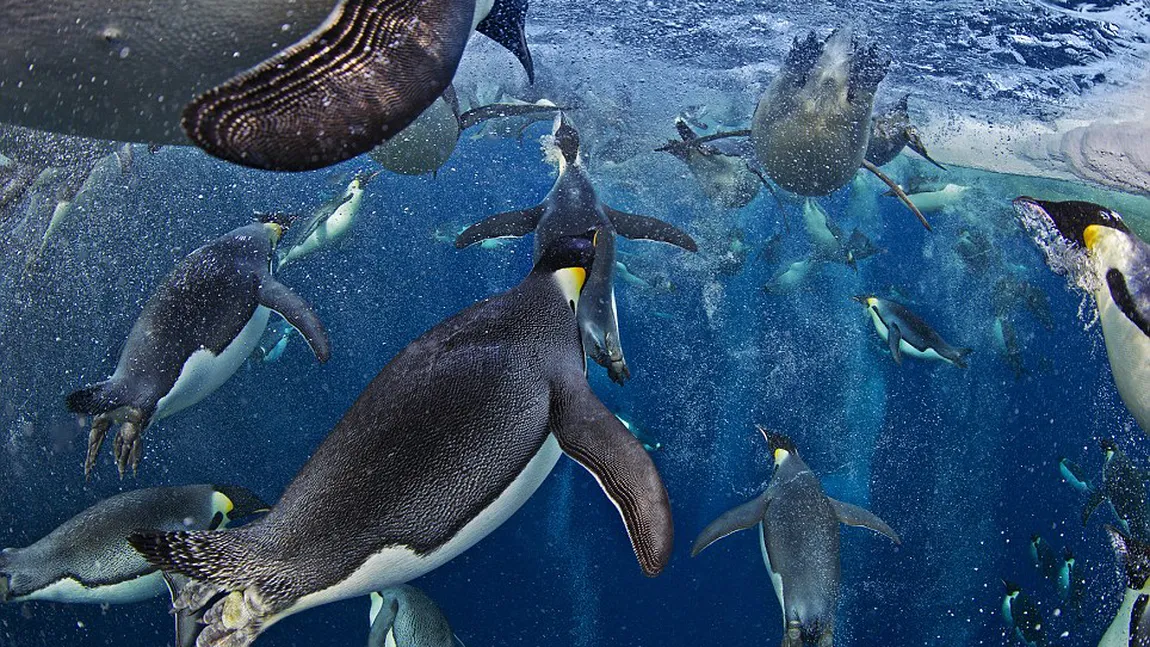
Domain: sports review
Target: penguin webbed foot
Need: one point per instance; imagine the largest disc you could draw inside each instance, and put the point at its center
(234, 621)
(127, 446)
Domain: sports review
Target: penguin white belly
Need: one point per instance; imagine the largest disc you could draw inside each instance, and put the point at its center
(1129, 353)
(69, 590)
(1118, 634)
(390, 640)
(776, 579)
(903, 347)
(396, 565)
(331, 230)
(205, 372)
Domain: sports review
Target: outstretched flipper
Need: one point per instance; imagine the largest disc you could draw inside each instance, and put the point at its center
(738, 518)
(897, 191)
(893, 337)
(697, 141)
(594, 437)
(509, 223)
(1096, 499)
(498, 110)
(504, 25)
(360, 78)
(635, 227)
(298, 313)
(852, 515)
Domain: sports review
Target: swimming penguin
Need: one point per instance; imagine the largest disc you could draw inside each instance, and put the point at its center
(938, 200)
(324, 80)
(514, 126)
(1044, 557)
(1124, 487)
(403, 616)
(87, 559)
(572, 206)
(798, 528)
(650, 443)
(1131, 625)
(1102, 255)
(793, 277)
(273, 343)
(1023, 615)
(1070, 583)
(426, 145)
(1073, 474)
(1007, 341)
(1011, 293)
(327, 225)
(891, 132)
(905, 332)
(721, 170)
(447, 441)
(195, 331)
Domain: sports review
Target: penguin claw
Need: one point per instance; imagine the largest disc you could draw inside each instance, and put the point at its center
(100, 426)
(128, 446)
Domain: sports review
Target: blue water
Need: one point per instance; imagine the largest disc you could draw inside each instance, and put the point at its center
(962, 463)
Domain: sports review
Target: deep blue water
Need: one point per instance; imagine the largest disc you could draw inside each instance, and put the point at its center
(963, 463)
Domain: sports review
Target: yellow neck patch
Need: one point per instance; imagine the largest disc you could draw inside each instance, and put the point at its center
(571, 280)
(1092, 234)
(221, 503)
(781, 455)
(276, 231)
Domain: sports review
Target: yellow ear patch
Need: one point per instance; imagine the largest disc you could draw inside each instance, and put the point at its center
(870, 301)
(222, 503)
(277, 231)
(571, 280)
(781, 455)
(1091, 235)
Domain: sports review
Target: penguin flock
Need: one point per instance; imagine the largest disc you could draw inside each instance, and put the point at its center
(457, 431)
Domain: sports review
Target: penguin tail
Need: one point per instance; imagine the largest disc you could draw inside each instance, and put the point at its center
(97, 398)
(223, 558)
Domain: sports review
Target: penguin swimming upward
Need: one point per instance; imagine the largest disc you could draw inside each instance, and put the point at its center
(87, 559)
(798, 528)
(403, 616)
(195, 331)
(1092, 245)
(1131, 625)
(1124, 486)
(572, 206)
(447, 441)
(905, 332)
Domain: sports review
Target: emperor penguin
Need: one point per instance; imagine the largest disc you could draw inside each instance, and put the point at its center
(570, 207)
(798, 528)
(319, 81)
(87, 559)
(1124, 487)
(449, 439)
(328, 225)
(1023, 616)
(891, 132)
(1092, 245)
(195, 331)
(906, 332)
(426, 145)
(403, 616)
(1131, 625)
(721, 170)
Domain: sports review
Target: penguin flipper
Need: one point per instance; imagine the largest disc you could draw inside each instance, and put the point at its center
(635, 227)
(1096, 499)
(508, 223)
(853, 515)
(383, 620)
(893, 337)
(504, 24)
(898, 192)
(591, 435)
(298, 313)
(478, 115)
(366, 73)
(738, 518)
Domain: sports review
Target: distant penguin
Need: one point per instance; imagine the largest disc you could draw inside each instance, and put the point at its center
(448, 440)
(798, 528)
(1131, 625)
(1023, 616)
(905, 332)
(1102, 255)
(793, 277)
(268, 84)
(273, 343)
(650, 443)
(939, 200)
(1007, 341)
(1124, 487)
(1073, 475)
(891, 132)
(87, 559)
(1044, 557)
(720, 168)
(570, 207)
(328, 225)
(195, 331)
(403, 616)
(1070, 583)
(426, 145)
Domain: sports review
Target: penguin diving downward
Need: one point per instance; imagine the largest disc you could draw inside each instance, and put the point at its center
(1131, 625)
(359, 71)
(891, 132)
(1124, 487)
(403, 616)
(327, 225)
(450, 438)
(798, 528)
(573, 206)
(427, 144)
(1020, 612)
(195, 331)
(1100, 254)
(905, 332)
(720, 168)
(1073, 475)
(87, 559)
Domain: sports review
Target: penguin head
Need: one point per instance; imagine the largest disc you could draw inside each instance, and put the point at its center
(1071, 219)
(867, 300)
(1109, 447)
(236, 502)
(276, 223)
(1012, 589)
(568, 259)
(566, 139)
(781, 447)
